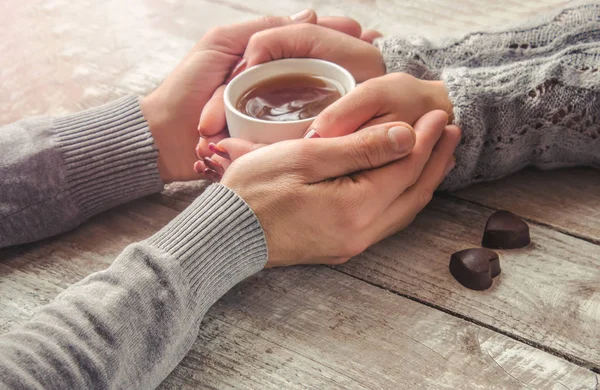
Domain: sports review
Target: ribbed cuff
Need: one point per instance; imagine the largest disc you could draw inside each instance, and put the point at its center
(218, 241)
(109, 155)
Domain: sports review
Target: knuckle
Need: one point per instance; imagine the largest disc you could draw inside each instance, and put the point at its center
(257, 39)
(366, 151)
(397, 77)
(215, 33)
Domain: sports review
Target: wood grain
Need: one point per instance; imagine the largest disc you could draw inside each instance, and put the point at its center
(307, 327)
(567, 200)
(60, 56)
(547, 294)
(315, 328)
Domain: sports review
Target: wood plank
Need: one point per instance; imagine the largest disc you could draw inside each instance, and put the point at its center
(567, 200)
(547, 294)
(296, 328)
(312, 327)
(31, 275)
(61, 57)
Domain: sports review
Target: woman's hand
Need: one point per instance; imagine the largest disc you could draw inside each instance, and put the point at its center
(393, 97)
(326, 200)
(358, 56)
(173, 109)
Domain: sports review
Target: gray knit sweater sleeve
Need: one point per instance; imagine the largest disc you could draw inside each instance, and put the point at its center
(126, 327)
(57, 172)
(526, 96)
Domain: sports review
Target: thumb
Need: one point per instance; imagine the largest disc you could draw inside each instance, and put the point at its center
(366, 149)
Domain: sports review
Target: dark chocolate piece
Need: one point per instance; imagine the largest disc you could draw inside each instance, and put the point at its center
(504, 230)
(474, 268)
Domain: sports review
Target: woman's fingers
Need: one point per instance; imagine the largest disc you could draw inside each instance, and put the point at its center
(234, 148)
(396, 94)
(202, 149)
(362, 59)
(405, 208)
(392, 180)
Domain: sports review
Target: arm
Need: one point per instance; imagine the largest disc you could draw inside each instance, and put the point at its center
(543, 112)
(540, 37)
(57, 172)
(130, 325)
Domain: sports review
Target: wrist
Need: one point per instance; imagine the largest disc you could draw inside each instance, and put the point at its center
(155, 117)
(438, 98)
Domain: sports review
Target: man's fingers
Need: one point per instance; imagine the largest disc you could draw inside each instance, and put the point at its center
(202, 149)
(234, 39)
(370, 35)
(212, 118)
(344, 25)
(360, 58)
(366, 149)
(405, 208)
(392, 180)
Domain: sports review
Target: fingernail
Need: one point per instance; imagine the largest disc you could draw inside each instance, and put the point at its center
(219, 151)
(402, 138)
(199, 167)
(312, 134)
(301, 16)
(214, 165)
(450, 166)
(212, 175)
(237, 69)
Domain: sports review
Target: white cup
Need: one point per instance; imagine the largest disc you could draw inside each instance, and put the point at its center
(268, 132)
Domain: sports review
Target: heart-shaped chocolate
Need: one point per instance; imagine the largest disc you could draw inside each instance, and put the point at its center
(474, 268)
(504, 230)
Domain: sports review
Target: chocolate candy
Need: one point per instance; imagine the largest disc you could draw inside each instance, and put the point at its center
(504, 230)
(475, 268)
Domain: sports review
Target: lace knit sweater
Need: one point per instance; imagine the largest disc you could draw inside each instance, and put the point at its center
(526, 96)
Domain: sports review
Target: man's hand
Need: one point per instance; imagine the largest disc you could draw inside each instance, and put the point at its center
(326, 200)
(173, 109)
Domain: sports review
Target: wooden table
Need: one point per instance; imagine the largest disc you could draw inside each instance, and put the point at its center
(390, 318)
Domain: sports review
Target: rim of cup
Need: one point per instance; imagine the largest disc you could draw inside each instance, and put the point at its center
(257, 68)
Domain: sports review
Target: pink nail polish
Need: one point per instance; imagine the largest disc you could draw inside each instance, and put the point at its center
(214, 165)
(219, 151)
(199, 167)
(312, 134)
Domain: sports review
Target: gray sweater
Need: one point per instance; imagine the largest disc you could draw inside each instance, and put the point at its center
(130, 325)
